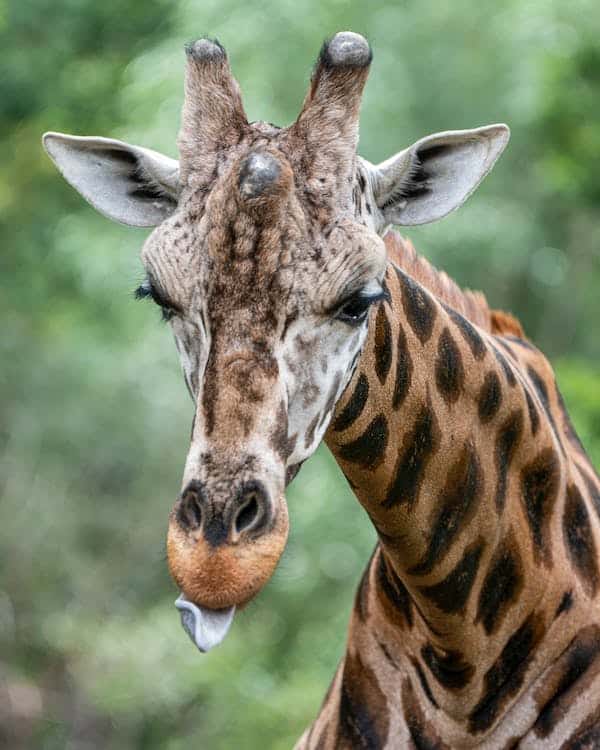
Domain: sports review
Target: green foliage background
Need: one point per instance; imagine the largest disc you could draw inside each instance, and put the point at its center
(94, 417)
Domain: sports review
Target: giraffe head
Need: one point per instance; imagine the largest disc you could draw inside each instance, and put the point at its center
(266, 257)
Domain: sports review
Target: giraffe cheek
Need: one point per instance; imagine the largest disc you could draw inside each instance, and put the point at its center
(230, 574)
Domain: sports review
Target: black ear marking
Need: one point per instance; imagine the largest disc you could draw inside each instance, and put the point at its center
(118, 154)
(417, 183)
(430, 152)
(149, 192)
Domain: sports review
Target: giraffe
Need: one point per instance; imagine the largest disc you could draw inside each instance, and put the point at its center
(299, 315)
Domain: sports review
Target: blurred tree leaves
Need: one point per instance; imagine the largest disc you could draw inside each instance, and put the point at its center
(94, 418)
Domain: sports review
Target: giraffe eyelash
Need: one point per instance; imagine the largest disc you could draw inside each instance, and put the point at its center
(147, 290)
(354, 309)
(143, 291)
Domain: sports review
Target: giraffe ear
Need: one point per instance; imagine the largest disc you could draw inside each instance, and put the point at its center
(129, 184)
(436, 174)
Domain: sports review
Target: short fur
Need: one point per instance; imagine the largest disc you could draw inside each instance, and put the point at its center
(476, 620)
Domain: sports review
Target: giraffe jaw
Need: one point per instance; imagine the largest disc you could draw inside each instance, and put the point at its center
(206, 627)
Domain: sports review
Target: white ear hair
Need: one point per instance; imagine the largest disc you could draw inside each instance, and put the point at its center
(129, 184)
(436, 174)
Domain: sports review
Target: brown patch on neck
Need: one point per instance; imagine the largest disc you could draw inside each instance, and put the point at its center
(472, 305)
(363, 713)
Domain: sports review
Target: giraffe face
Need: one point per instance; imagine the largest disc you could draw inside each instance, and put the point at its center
(266, 258)
(269, 312)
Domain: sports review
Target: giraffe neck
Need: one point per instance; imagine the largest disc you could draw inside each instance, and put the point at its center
(456, 443)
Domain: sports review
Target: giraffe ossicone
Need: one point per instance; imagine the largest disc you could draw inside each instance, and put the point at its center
(298, 316)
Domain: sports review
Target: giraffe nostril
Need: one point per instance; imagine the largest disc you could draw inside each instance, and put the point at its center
(246, 515)
(189, 512)
(194, 513)
(248, 510)
(253, 511)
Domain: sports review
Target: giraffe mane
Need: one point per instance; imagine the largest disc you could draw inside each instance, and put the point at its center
(471, 304)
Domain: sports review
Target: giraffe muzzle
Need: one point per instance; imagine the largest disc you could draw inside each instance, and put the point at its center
(221, 551)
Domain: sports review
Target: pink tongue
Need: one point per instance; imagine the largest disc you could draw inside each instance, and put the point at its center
(206, 627)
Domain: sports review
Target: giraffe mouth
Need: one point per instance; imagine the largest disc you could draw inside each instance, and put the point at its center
(206, 627)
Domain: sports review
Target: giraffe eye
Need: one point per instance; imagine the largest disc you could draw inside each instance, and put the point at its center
(147, 290)
(354, 310)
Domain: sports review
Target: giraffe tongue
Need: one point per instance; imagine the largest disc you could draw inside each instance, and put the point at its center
(206, 627)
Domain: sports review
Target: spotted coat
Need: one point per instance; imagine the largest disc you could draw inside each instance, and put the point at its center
(298, 315)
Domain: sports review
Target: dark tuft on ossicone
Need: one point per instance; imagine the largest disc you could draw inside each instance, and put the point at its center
(346, 49)
(205, 49)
